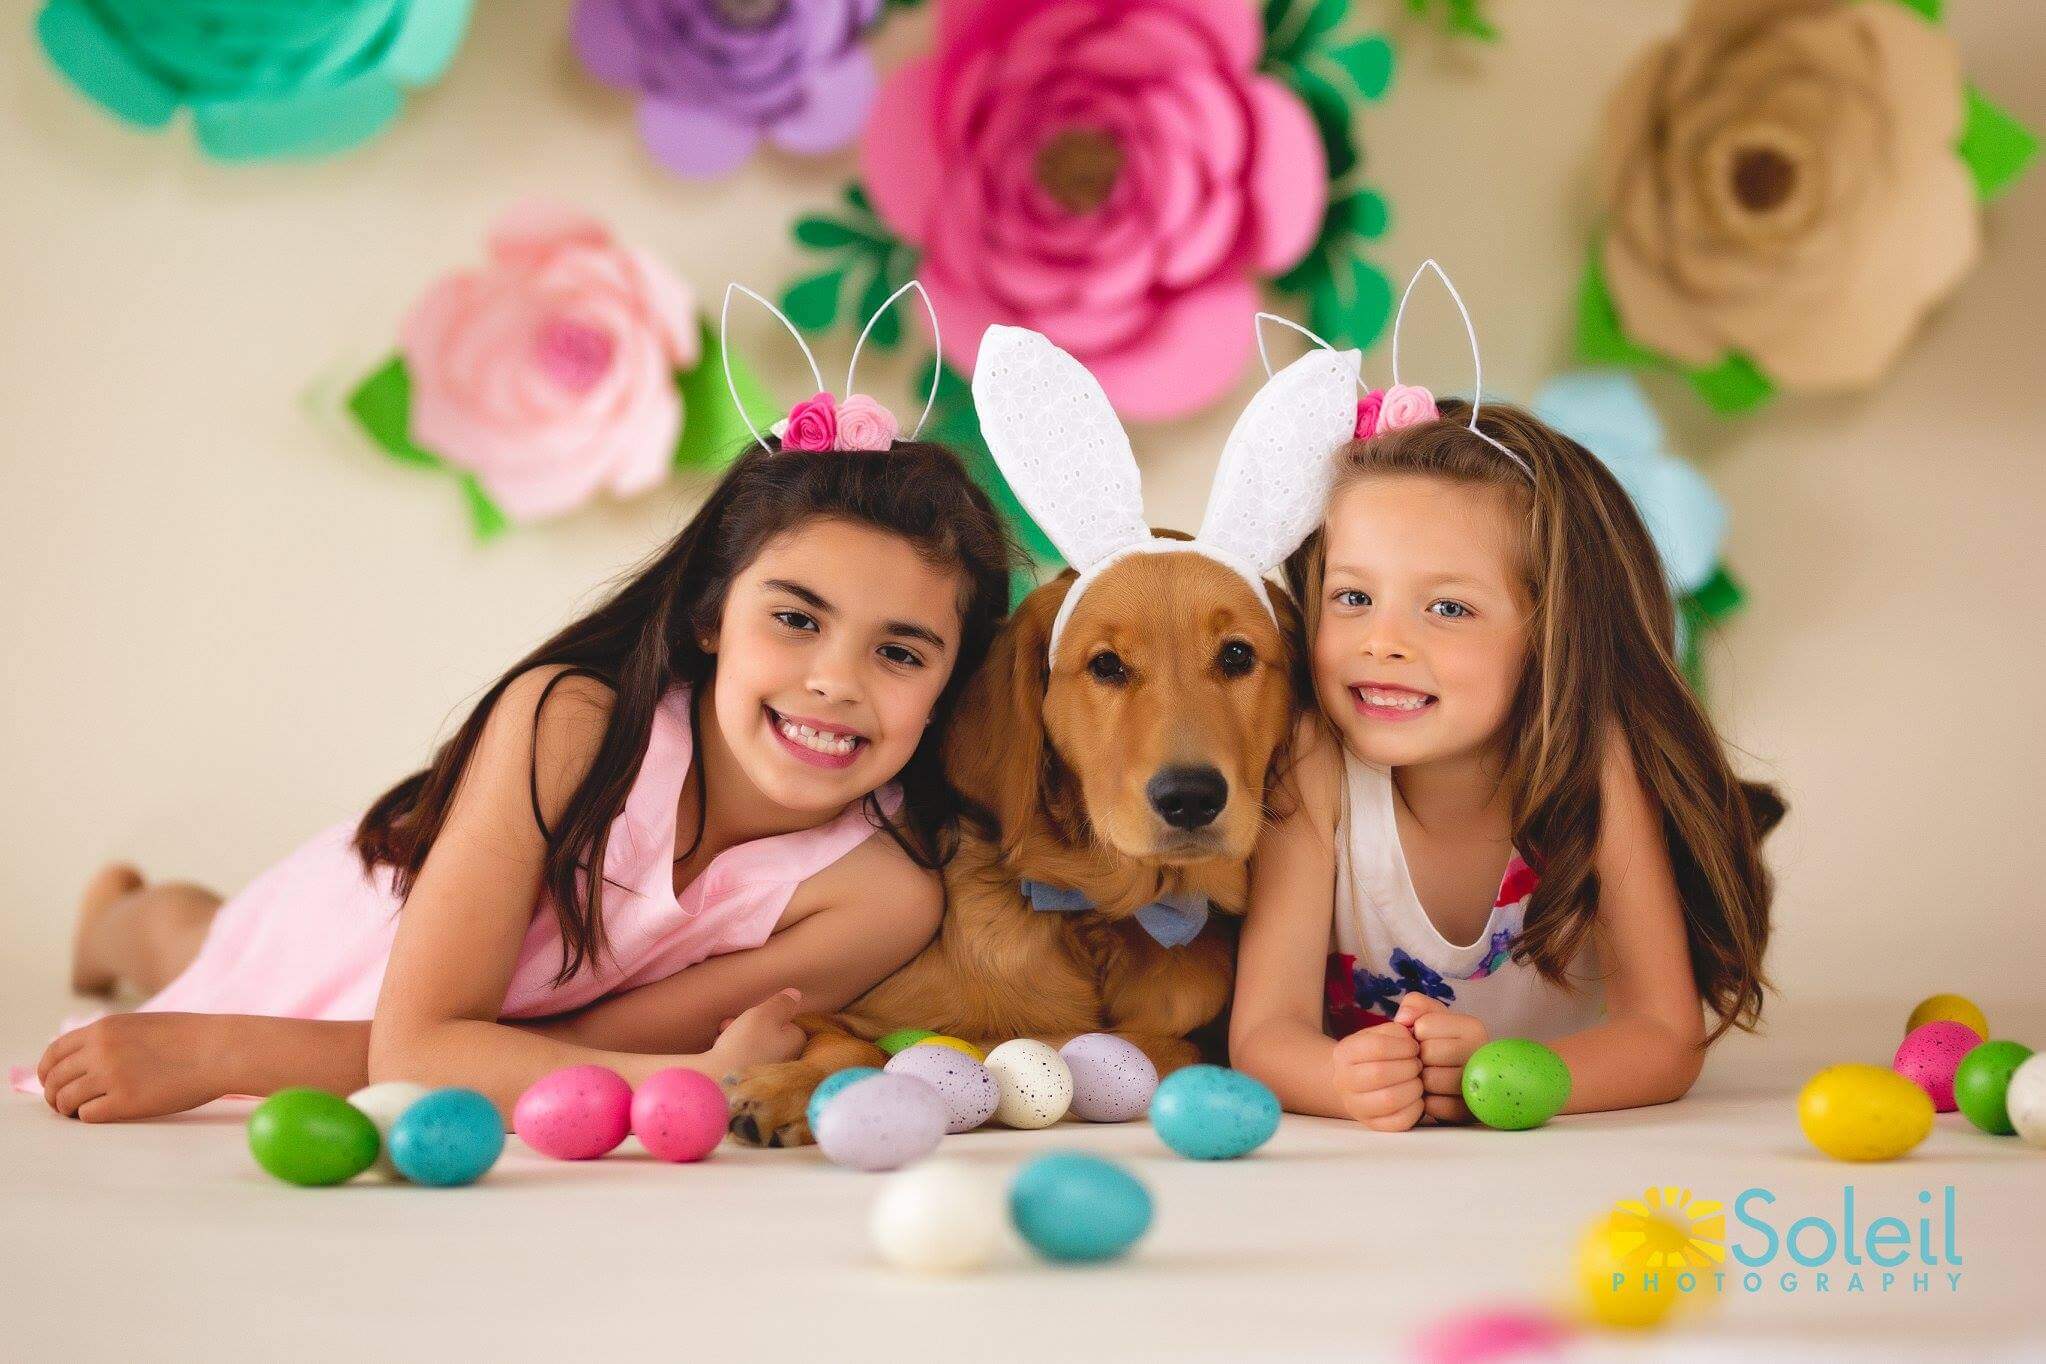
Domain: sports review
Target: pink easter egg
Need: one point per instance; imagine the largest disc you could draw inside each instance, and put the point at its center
(679, 1114)
(1930, 1055)
(576, 1113)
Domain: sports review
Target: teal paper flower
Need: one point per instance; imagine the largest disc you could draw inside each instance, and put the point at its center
(263, 78)
(1605, 411)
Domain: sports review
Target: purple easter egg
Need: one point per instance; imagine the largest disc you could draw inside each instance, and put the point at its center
(966, 1086)
(882, 1123)
(1930, 1055)
(1113, 1080)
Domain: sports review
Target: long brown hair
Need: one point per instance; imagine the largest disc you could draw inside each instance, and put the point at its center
(1601, 660)
(644, 640)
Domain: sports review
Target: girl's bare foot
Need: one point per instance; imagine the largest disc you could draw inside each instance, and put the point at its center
(90, 974)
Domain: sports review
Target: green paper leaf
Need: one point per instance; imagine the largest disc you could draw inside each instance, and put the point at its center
(887, 329)
(1733, 385)
(1367, 62)
(1311, 271)
(1995, 145)
(1719, 597)
(99, 66)
(1331, 119)
(1276, 14)
(1363, 214)
(955, 423)
(1326, 17)
(382, 404)
(1702, 612)
(855, 195)
(713, 432)
(825, 234)
(313, 122)
(1929, 8)
(812, 302)
(1350, 309)
(485, 515)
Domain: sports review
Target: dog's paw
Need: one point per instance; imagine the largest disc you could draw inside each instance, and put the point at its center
(769, 1104)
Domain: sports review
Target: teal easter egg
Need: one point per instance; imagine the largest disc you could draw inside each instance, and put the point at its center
(828, 1089)
(1515, 1083)
(1213, 1113)
(450, 1137)
(311, 1137)
(1076, 1207)
(1982, 1084)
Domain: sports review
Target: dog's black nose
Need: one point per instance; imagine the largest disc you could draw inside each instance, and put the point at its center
(1188, 797)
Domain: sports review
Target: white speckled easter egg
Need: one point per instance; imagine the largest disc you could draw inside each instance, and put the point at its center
(1113, 1080)
(381, 1104)
(1036, 1087)
(939, 1218)
(882, 1123)
(969, 1092)
(2025, 1101)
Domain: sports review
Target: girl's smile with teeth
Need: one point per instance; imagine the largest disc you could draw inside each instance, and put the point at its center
(1389, 702)
(815, 741)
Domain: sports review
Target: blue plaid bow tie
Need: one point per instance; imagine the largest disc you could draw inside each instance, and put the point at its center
(1174, 921)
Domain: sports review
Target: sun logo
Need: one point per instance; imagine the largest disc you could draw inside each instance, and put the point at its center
(1668, 1228)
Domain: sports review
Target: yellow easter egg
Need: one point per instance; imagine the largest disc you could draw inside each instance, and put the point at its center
(956, 1044)
(1857, 1112)
(1950, 1009)
(1648, 1257)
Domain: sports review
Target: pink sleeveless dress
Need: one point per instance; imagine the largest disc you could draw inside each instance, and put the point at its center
(309, 938)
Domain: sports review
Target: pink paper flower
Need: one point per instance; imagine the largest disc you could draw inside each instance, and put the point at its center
(1406, 405)
(864, 424)
(812, 425)
(1116, 176)
(1367, 413)
(550, 372)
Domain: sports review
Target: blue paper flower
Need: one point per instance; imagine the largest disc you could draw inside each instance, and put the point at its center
(1605, 411)
(262, 78)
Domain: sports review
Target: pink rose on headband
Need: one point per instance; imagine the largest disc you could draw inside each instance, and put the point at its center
(549, 373)
(1116, 176)
(812, 425)
(1367, 413)
(864, 424)
(1406, 405)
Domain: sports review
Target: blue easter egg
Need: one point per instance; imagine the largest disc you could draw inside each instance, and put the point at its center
(1077, 1207)
(829, 1087)
(1213, 1113)
(452, 1136)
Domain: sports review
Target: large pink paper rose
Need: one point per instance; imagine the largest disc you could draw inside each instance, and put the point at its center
(1116, 176)
(550, 372)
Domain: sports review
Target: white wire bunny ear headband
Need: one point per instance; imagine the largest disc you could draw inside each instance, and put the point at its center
(1059, 443)
(822, 422)
(1398, 404)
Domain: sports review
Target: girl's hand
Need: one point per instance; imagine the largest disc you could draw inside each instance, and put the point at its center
(764, 1033)
(1378, 1077)
(140, 1065)
(1446, 1039)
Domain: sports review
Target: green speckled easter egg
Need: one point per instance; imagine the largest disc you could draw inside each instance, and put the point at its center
(308, 1136)
(1983, 1081)
(1515, 1083)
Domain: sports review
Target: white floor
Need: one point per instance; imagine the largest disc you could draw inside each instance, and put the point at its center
(164, 1241)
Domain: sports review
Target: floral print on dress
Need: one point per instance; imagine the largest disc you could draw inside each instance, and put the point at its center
(1356, 998)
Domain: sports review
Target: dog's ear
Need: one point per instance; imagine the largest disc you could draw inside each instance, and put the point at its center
(995, 754)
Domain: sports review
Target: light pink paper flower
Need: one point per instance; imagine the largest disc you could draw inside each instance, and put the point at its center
(864, 424)
(1367, 413)
(1116, 176)
(811, 425)
(550, 372)
(1406, 405)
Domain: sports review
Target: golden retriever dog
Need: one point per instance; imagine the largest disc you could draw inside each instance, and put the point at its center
(1132, 769)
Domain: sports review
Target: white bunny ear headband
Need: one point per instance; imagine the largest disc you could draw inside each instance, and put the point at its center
(1398, 405)
(1055, 437)
(822, 422)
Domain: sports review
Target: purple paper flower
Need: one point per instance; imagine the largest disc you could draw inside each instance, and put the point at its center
(717, 75)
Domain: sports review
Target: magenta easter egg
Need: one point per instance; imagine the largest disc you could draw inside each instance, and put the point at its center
(679, 1114)
(1930, 1055)
(1113, 1080)
(966, 1086)
(576, 1113)
(882, 1123)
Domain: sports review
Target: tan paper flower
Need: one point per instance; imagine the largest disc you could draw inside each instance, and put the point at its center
(1780, 179)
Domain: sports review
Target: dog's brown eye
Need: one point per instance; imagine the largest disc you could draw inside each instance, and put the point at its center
(1236, 658)
(1107, 667)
